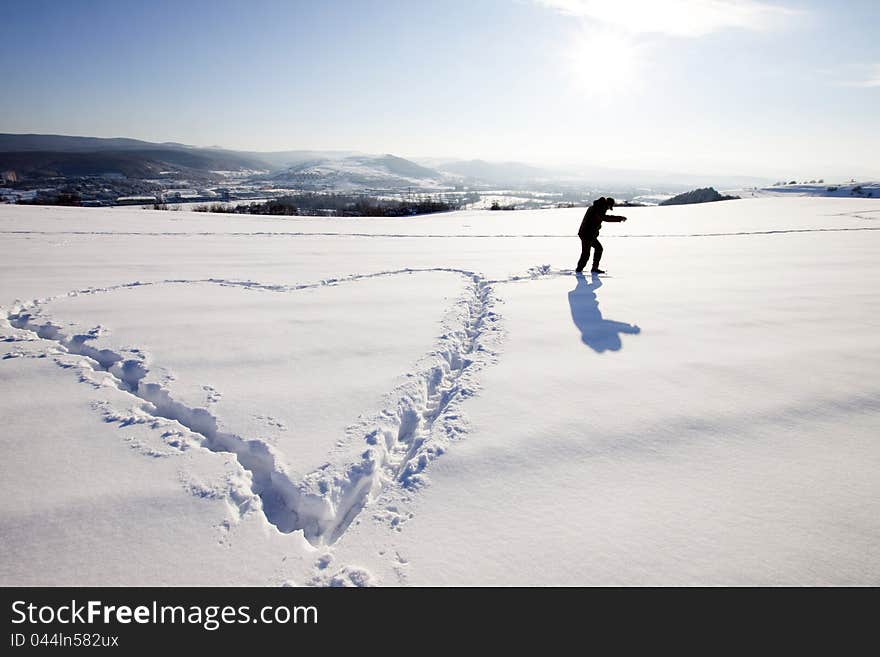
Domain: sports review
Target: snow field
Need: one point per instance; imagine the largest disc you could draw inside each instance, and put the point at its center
(353, 402)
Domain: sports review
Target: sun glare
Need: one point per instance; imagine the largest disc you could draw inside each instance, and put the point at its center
(603, 62)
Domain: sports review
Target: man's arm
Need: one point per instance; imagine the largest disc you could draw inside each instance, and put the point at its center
(613, 218)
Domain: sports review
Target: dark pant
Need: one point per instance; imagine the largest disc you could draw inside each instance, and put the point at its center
(586, 243)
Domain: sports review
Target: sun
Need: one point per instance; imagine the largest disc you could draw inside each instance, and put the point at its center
(603, 62)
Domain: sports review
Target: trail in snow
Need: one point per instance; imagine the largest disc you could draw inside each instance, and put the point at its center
(780, 231)
(400, 439)
(20, 306)
(856, 213)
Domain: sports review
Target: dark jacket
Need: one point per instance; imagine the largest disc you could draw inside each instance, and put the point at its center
(592, 221)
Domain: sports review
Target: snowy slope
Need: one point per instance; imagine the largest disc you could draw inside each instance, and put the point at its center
(194, 399)
(835, 190)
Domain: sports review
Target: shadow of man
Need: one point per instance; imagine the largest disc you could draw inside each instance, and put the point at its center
(598, 333)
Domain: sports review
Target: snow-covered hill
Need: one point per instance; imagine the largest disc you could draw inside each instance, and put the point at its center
(198, 399)
(362, 171)
(836, 190)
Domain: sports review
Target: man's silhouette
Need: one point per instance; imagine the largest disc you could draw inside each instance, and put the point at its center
(589, 232)
(598, 333)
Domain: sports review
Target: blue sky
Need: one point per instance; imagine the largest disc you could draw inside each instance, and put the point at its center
(784, 89)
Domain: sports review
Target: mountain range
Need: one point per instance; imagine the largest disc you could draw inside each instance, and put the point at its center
(35, 156)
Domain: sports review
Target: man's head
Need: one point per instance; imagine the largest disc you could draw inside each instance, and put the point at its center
(609, 203)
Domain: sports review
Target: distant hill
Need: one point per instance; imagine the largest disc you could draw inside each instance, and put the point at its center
(705, 195)
(401, 167)
(852, 189)
(70, 144)
(498, 173)
(146, 163)
(360, 171)
(519, 173)
(277, 160)
(39, 156)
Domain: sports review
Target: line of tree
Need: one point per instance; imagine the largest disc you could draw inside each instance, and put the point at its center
(335, 205)
(54, 198)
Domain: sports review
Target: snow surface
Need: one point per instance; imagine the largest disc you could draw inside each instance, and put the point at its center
(195, 399)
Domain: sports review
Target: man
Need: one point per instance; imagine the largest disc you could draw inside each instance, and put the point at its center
(589, 232)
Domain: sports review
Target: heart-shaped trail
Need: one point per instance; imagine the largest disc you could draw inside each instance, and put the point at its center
(418, 421)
